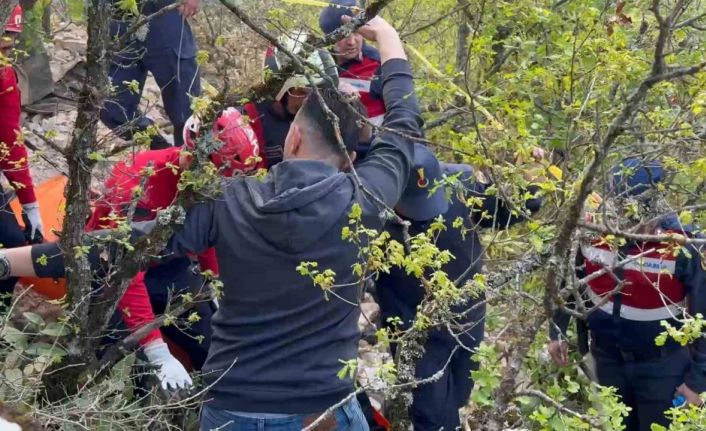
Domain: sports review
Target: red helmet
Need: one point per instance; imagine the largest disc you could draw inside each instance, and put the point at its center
(14, 24)
(240, 148)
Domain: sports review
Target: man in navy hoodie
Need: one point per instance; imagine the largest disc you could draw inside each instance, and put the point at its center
(435, 405)
(278, 340)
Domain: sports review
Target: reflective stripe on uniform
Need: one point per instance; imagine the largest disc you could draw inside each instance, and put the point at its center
(644, 264)
(377, 120)
(360, 85)
(627, 312)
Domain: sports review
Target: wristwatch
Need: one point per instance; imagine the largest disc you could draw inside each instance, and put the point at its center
(4, 267)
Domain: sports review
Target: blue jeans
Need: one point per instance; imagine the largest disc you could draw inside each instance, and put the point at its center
(349, 417)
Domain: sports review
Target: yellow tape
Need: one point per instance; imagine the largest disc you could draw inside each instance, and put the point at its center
(436, 72)
(317, 3)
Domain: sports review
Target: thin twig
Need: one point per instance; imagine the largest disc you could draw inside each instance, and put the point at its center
(549, 400)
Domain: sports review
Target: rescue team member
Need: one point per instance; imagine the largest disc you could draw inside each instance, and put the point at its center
(168, 51)
(358, 63)
(237, 154)
(436, 405)
(135, 300)
(277, 339)
(656, 287)
(14, 160)
(270, 119)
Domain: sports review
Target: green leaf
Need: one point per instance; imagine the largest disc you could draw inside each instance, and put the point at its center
(34, 318)
(133, 86)
(54, 329)
(129, 6)
(13, 376)
(686, 217)
(14, 336)
(44, 349)
(202, 57)
(42, 260)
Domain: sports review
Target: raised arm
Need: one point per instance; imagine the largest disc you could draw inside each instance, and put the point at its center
(387, 167)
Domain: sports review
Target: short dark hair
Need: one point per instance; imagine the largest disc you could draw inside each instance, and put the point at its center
(350, 113)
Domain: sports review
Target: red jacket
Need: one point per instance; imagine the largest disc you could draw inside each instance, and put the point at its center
(365, 76)
(159, 192)
(13, 154)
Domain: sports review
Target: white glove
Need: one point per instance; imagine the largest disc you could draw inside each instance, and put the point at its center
(35, 219)
(171, 373)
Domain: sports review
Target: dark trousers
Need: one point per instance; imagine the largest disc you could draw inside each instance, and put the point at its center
(169, 281)
(646, 387)
(11, 235)
(177, 77)
(435, 405)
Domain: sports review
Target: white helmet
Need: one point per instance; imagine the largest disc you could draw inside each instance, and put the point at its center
(295, 42)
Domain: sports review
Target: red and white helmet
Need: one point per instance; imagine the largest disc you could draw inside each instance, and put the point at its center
(240, 148)
(14, 23)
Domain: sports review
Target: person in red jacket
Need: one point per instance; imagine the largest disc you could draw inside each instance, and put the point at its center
(14, 160)
(161, 170)
(358, 64)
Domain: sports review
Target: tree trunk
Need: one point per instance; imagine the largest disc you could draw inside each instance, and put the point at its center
(463, 32)
(82, 347)
(46, 20)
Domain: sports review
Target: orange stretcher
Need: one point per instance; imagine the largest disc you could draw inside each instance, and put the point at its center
(52, 207)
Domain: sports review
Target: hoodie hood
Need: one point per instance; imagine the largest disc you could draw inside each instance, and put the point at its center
(298, 203)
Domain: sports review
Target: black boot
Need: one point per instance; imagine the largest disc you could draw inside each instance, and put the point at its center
(159, 143)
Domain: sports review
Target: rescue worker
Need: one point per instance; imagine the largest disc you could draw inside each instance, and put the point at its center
(238, 154)
(358, 64)
(133, 310)
(14, 160)
(270, 119)
(278, 340)
(660, 286)
(168, 51)
(436, 405)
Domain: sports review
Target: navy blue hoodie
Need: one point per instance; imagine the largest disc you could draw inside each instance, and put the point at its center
(277, 339)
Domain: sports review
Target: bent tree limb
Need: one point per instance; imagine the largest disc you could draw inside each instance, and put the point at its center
(272, 86)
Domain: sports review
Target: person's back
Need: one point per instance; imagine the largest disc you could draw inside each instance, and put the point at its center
(435, 405)
(268, 316)
(159, 170)
(278, 339)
